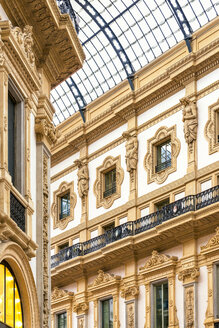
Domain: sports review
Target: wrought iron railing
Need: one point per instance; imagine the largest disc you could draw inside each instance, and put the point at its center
(170, 211)
(109, 191)
(162, 166)
(66, 8)
(17, 212)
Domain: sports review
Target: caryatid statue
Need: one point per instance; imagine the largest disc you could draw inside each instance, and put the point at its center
(190, 120)
(131, 151)
(83, 178)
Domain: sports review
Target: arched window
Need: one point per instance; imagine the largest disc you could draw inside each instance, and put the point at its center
(10, 302)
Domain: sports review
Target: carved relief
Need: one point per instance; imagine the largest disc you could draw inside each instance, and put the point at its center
(83, 178)
(25, 40)
(2, 57)
(60, 293)
(190, 273)
(81, 323)
(190, 121)
(130, 316)
(131, 151)
(103, 278)
(55, 208)
(157, 259)
(150, 160)
(211, 132)
(99, 185)
(212, 243)
(80, 307)
(44, 128)
(189, 309)
(129, 291)
(45, 243)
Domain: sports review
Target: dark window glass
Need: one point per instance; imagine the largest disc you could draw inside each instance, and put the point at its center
(107, 313)
(110, 183)
(161, 305)
(163, 156)
(62, 320)
(11, 137)
(63, 246)
(161, 204)
(65, 206)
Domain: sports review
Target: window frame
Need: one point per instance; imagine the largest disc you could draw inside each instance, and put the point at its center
(19, 135)
(101, 309)
(154, 285)
(61, 216)
(158, 167)
(57, 319)
(108, 192)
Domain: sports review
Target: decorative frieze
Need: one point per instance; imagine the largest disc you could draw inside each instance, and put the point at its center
(58, 294)
(104, 278)
(25, 40)
(2, 56)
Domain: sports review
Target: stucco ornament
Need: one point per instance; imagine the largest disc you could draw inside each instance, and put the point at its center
(2, 58)
(156, 259)
(59, 293)
(103, 278)
(190, 121)
(44, 128)
(131, 151)
(25, 40)
(83, 178)
(131, 317)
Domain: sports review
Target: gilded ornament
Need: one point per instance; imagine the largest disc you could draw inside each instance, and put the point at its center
(47, 129)
(82, 307)
(129, 291)
(25, 40)
(131, 316)
(2, 57)
(191, 273)
(103, 278)
(190, 307)
(60, 293)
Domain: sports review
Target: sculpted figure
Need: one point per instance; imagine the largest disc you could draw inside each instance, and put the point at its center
(131, 151)
(83, 178)
(190, 120)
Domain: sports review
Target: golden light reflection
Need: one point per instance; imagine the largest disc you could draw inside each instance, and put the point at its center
(2, 278)
(9, 298)
(10, 302)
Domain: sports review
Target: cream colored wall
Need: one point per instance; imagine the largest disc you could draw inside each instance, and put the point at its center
(204, 158)
(77, 210)
(175, 119)
(202, 296)
(64, 164)
(141, 306)
(122, 312)
(117, 151)
(3, 15)
(179, 302)
(207, 79)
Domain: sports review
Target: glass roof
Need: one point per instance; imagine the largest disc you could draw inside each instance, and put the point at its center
(121, 36)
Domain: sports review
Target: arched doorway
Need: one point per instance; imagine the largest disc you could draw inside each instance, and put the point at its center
(11, 313)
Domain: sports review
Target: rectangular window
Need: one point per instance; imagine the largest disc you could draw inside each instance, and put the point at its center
(110, 183)
(163, 156)
(11, 137)
(64, 206)
(160, 305)
(107, 313)
(62, 320)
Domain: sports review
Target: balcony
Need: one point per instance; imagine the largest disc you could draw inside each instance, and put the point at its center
(133, 228)
(17, 212)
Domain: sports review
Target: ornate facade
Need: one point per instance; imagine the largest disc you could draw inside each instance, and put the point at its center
(31, 63)
(143, 240)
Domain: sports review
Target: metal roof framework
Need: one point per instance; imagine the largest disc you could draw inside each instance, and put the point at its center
(121, 36)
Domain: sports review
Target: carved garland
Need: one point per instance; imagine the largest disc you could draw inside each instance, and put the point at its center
(109, 162)
(55, 208)
(150, 160)
(212, 128)
(45, 243)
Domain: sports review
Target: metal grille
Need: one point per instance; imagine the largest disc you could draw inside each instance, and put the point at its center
(170, 211)
(17, 212)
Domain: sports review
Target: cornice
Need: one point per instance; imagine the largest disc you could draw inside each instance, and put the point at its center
(191, 67)
(17, 45)
(57, 46)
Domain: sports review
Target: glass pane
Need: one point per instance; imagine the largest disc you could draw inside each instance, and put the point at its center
(2, 277)
(165, 305)
(62, 320)
(110, 179)
(105, 314)
(158, 306)
(18, 310)
(65, 206)
(9, 299)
